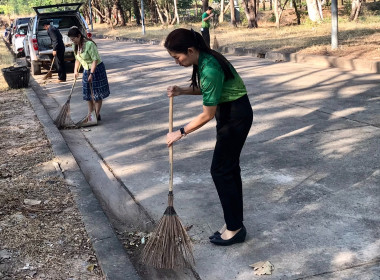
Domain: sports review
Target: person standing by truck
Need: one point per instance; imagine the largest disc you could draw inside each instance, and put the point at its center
(58, 49)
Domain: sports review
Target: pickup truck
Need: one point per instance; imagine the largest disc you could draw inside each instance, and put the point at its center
(37, 44)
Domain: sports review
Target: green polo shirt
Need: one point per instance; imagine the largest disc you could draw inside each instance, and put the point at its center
(88, 55)
(214, 88)
(205, 24)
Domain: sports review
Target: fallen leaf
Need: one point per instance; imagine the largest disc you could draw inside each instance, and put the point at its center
(188, 227)
(32, 202)
(262, 268)
(91, 267)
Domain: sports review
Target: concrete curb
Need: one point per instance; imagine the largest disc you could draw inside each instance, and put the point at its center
(110, 253)
(362, 65)
(131, 40)
(317, 60)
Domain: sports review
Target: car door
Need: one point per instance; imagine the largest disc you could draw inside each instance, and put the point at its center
(28, 40)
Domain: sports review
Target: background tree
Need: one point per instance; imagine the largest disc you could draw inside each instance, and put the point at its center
(250, 8)
(355, 9)
(204, 5)
(176, 17)
(233, 16)
(313, 10)
(297, 12)
(278, 9)
(136, 12)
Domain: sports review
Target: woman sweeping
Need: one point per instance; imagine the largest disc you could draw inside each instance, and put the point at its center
(225, 98)
(94, 73)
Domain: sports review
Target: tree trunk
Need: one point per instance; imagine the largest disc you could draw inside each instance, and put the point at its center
(221, 16)
(313, 10)
(136, 11)
(167, 15)
(204, 5)
(278, 11)
(251, 12)
(263, 5)
(277, 8)
(176, 12)
(158, 9)
(355, 9)
(119, 13)
(271, 4)
(297, 12)
(152, 12)
(233, 17)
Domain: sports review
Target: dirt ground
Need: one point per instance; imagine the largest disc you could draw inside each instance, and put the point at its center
(41, 232)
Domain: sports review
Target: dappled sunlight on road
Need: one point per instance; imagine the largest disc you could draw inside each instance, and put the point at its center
(340, 143)
(308, 166)
(292, 133)
(346, 112)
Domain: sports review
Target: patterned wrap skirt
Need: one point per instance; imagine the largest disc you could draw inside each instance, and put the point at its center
(100, 85)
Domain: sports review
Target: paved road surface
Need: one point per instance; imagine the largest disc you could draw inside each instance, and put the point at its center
(310, 167)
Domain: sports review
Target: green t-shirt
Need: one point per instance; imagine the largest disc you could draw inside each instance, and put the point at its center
(214, 88)
(88, 55)
(205, 24)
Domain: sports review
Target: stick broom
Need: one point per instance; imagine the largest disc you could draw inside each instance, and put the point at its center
(169, 246)
(64, 114)
(50, 74)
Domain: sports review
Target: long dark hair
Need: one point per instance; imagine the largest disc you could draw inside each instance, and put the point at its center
(181, 39)
(74, 32)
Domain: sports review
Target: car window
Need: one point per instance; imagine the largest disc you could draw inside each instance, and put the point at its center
(22, 30)
(23, 20)
(60, 23)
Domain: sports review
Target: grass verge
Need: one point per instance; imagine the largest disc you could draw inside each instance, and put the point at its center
(6, 60)
(356, 39)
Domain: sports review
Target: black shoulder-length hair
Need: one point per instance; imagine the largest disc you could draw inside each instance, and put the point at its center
(181, 39)
(74, 32)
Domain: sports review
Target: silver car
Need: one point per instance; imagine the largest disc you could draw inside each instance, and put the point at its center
(37, 44)
(18, 39)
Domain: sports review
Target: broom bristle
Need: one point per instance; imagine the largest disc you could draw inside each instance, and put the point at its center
(169, 246)
(48, 75)
(62, 119)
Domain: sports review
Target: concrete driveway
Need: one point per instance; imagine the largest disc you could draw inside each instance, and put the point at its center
(310, 167)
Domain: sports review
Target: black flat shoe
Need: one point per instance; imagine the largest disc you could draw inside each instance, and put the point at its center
(216, 233)
(237, 238)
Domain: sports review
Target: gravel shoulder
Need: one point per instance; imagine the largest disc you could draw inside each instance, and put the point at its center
(42, 235)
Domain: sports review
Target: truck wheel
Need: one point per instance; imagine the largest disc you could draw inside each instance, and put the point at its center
(36, 68)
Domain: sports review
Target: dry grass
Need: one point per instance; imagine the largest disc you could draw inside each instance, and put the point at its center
(356, 39)
(6, 60)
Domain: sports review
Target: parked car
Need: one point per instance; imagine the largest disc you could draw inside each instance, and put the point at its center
(18, 39)
(37, 44)
(7, 34)
(14, 25)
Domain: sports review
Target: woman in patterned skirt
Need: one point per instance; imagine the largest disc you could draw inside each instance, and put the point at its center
(94, 72)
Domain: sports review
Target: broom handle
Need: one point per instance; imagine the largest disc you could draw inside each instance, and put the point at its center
(75, 80)
(52, 62)
(171, 147)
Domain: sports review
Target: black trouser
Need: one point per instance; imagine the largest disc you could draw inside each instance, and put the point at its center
(206, 35)
(234, 120)
(60, 63)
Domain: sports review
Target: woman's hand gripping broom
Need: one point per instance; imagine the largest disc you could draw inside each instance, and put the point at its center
(169, 246)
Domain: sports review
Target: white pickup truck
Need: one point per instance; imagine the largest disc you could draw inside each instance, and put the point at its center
(37, 44)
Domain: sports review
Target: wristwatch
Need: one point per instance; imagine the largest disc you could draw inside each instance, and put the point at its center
(183, 133)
